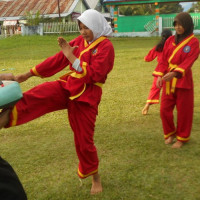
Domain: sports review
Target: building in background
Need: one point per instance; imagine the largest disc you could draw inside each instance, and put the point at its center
(15, 13)
(49, 9)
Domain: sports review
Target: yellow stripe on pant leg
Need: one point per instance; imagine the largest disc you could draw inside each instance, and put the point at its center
(167, 87)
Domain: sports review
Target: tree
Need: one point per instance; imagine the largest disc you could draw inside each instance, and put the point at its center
(195, 8)
(170, 8)
(149, 9)
(143, 9)
(33, 19)
(104, 6)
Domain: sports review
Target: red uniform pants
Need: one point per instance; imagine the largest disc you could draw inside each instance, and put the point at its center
(183, 99)
(154, 93)
(49, 97)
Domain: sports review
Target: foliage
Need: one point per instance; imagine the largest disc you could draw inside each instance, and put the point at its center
(149, 9)
(104, 6)
(33, 19)
(195, 8)
(170, 8)
(143, 9)
(134, 161)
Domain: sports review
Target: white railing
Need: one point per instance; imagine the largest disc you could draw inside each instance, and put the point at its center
(167, 22)
(151, 26)
(196, 21)
(59, 27)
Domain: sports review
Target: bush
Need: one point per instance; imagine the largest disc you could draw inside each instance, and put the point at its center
(33, 19)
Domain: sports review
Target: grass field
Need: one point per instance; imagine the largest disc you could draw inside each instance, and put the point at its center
(135, 164)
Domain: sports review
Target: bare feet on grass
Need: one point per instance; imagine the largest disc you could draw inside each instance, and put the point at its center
(170, 139)
(96, 184)
(177, 145)
(145, 109)
(4, 118)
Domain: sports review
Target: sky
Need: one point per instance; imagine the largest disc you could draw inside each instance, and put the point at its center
(186, 5)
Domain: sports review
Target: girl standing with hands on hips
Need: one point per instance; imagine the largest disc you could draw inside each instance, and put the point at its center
(175, 74)
(90, 58)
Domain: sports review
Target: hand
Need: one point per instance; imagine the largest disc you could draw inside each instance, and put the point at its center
(66, 48)
(61, 42)
(8, 76)
(159, 82)
(169, 76)
(23, 77)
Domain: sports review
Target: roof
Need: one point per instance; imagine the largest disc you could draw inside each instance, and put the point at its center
(16, 9)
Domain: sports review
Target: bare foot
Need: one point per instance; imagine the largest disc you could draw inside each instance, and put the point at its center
(170, 139)
(4, 118)
(145, 109)
(177, 145)
(96, 184)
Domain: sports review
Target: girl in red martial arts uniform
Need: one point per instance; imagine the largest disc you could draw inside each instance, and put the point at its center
(154, 93)
(174, 72)
(90, 58)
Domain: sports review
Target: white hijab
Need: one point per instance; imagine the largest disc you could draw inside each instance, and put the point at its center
(96, 22)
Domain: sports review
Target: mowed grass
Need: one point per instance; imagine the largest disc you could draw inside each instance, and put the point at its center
(134, 161)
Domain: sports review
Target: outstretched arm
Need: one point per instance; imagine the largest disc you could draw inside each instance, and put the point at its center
(7, 76)
(23, 77)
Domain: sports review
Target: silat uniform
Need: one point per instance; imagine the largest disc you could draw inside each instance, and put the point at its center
(154, 93)
(179, 91)
(79, 92)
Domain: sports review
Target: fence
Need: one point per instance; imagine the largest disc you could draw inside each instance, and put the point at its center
(47, 28)
(59, 27)
(151, 26)
(9, 30)
(131, 24)
(139, 23)
(167, 22)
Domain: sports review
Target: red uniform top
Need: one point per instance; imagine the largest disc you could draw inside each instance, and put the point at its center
(152, 55)
(179, 58)
(96, 61)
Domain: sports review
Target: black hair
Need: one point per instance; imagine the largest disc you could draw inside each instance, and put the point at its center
(166, 33)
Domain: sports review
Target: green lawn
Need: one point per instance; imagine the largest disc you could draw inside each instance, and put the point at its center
(135, 164)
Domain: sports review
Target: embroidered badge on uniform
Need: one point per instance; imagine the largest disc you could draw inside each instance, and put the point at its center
(94, 52)
(186, 49)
